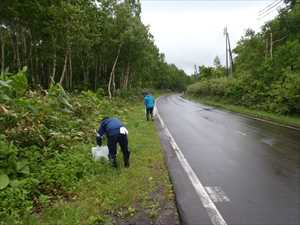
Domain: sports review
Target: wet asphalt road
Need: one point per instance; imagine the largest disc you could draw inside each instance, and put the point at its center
(253, 166)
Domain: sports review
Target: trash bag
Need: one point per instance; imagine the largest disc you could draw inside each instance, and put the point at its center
(154, 111)
(100, 152)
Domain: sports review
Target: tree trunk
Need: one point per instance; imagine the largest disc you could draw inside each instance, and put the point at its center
(64, 68)
(18, 51)
(43, 82)
(71, 70)
(85, 69)
(52, 77)
(122, 79)
(88, 76)
(130, 78)
(30, 58)
(25, 59)
(112, 74)
(114, 83)
(66, 78)
(37, 72)
(54, 62)
(126, 76)
(95, 76)
(14, 49)
(2, 53)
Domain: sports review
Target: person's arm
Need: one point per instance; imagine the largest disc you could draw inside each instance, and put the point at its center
(145, 102)
(100, 134)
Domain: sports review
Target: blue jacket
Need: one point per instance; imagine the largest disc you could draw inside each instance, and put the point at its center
(149, 101)
(110, 127)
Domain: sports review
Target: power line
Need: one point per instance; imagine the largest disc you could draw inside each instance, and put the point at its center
(270, 9)
(265, 15)
(270, 5)
(269, 12)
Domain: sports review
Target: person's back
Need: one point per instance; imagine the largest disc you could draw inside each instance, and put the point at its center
(149, 104)
(112, 126)
(116, 133)
(149, 101)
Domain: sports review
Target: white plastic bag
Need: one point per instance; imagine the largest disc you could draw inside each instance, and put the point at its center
(154, 111)
(100, 152)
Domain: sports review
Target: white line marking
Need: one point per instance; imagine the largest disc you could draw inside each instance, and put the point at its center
(217, 194)
(244, 134)
(252, 117)
(213, 213)
(159, 118)
(271, 122)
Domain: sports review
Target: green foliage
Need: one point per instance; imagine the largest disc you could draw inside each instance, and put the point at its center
(4, 181)
(281, 96)
(285, 95)
(13, 85)
(82, 38)
(45, 143)
(266, 76)
(19, 83)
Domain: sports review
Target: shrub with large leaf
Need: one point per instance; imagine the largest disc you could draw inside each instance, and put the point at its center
(13, 85)
(19, 83)
(4, 181)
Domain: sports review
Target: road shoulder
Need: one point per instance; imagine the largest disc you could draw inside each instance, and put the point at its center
(188, 203)
(291, 122)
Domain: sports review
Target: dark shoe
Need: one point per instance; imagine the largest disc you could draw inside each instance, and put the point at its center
(126, 164)
(114, 163)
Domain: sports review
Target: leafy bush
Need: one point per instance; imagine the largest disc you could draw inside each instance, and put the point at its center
(45, 143)
(281, 96)
(285, 95)
(13, 85)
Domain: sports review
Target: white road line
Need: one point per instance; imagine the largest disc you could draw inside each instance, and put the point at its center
(244, 134)
(213, 213)
(161, 121)
(270, 122)
(217, 194)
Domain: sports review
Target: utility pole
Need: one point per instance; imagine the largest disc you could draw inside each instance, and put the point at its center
(195, 70)
(271, 45)
(226, 52)
(230, 54)
(267, 48)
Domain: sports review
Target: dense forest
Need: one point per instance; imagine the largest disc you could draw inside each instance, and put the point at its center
(266, 67)
(60, 60)
(83, 44)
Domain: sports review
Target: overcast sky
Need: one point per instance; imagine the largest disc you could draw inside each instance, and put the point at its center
(191, 32)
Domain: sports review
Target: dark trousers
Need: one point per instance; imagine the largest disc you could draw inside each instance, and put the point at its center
(149, 112)
(112, 146)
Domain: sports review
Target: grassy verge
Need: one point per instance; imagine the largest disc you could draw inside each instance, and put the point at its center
(284, 120)
(49, 177)
(114, 195)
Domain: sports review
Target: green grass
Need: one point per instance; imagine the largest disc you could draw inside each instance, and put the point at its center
(115, 194)
(284, 120)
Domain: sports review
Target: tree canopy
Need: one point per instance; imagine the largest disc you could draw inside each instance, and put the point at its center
(266, 67)
(83, 44)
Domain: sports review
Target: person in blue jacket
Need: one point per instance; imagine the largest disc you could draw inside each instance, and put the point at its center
(149, 102)
(116, 133)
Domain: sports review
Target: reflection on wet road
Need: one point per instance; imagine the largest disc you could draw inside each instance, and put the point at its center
(252, 164)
